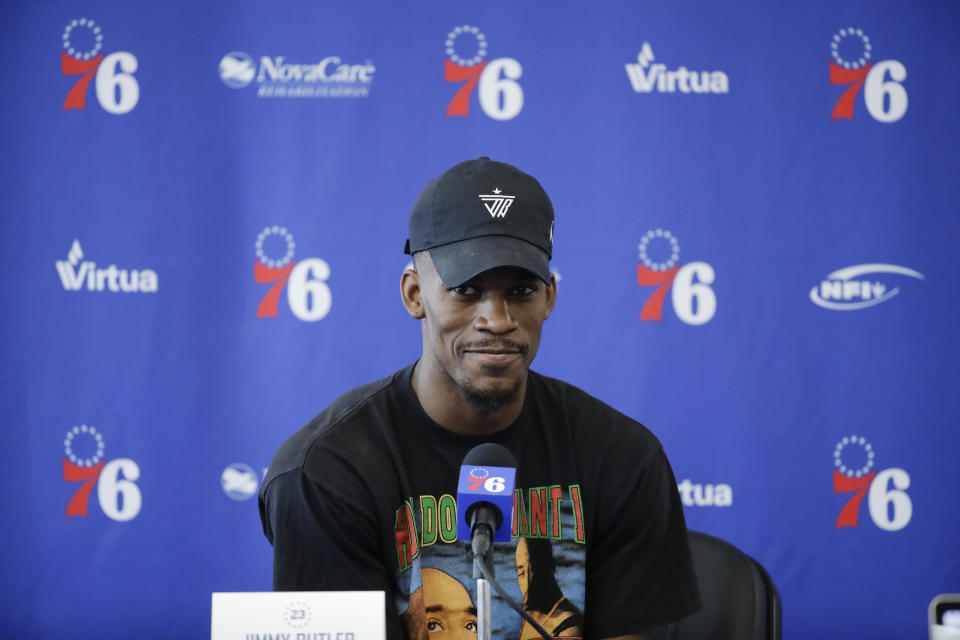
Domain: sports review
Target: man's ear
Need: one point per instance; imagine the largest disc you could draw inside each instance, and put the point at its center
(551, 290)
(410, 293)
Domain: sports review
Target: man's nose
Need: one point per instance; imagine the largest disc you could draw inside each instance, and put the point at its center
(494, 315)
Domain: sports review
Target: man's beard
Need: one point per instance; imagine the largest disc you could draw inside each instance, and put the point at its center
(489, 401)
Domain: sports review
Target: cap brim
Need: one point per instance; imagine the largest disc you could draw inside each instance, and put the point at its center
(458, 262)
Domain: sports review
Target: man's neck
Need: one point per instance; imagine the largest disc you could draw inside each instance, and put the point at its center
(442, 400)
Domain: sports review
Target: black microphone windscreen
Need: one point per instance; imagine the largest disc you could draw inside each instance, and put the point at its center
(491, 454)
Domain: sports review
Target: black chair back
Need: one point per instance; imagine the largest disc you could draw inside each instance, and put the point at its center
(740, 601)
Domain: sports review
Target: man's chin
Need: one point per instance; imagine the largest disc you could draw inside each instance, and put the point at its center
(491, 397)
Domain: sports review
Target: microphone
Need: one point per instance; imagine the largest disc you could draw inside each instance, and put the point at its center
(488, 476)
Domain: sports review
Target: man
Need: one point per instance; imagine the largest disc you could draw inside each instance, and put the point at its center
(362, 496)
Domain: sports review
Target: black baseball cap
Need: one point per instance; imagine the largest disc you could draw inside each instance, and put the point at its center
(482, 214)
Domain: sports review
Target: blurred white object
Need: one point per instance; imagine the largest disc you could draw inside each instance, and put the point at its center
(944, 617)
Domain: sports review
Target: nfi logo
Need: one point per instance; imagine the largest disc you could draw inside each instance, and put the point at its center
(857, 287)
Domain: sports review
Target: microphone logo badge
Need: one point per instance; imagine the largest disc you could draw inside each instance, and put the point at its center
(479, 480)
(497, 204)
(478, 473)
(490, 484)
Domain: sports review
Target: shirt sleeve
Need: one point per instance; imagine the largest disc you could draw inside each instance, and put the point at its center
(639, 570)
(324, 539)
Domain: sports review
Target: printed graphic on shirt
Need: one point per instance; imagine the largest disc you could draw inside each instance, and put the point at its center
(543, 567)
(543, 598)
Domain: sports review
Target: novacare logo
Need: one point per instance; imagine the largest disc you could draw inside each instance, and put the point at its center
(847, 290)
(75, 274)
(646, 77)
(331, 77)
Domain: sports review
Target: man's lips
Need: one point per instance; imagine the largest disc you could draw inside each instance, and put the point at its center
(494, 354)
(492, 350)
(493, 357)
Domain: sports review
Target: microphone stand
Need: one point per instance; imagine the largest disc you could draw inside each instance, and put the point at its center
(480, 545)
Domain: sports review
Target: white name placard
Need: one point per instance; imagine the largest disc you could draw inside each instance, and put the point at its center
(298, 615)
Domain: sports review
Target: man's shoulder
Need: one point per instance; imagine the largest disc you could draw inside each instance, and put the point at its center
(350, 408)
(575, 398)
(585, 410)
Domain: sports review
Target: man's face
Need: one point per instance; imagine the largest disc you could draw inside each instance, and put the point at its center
(483, 334)
(523, 567)
(449, 612)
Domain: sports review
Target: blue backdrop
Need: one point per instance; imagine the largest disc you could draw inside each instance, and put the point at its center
(205, 205)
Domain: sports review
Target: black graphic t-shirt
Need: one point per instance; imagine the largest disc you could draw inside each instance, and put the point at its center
(364, 498)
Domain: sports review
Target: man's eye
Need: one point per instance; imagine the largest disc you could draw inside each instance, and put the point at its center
(464, 290)
(525, 290)
(471, 626)
(434, 625)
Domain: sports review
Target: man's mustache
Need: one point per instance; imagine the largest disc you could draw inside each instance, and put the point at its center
(497, 345)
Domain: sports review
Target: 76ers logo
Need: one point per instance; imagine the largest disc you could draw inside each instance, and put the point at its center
(889, 505)
(500, 94)
(853, 65)
(480, 479)
(694, 302)
(306, 281)
(83, 461)
(116, 88)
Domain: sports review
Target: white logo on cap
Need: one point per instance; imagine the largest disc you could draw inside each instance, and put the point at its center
(497, 204)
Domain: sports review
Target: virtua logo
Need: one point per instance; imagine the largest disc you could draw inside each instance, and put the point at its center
(705, 495)
(646, 77)
(73, 275)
